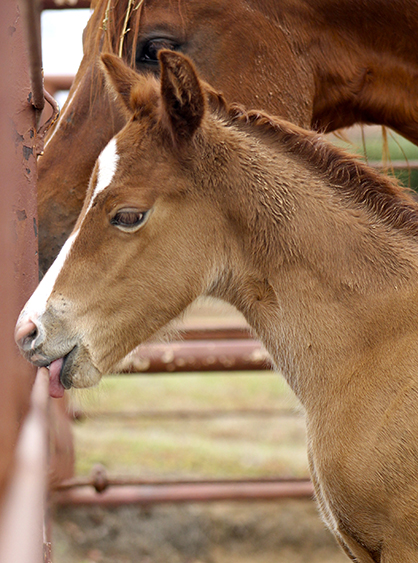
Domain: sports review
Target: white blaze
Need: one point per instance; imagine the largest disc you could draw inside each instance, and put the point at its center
(35, 307)
(108, 162)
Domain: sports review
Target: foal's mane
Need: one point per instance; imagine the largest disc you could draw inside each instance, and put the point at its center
(353, 179)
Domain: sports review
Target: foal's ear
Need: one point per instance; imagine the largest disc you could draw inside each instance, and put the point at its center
(182, 95)
(120, 77)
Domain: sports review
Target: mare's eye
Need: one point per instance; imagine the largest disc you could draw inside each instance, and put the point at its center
(147, 53)
(129, 220)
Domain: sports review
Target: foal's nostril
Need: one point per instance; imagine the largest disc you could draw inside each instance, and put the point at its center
(33, 334)
(26, 333)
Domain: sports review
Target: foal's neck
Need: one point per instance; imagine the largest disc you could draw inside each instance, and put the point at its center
(320, 279)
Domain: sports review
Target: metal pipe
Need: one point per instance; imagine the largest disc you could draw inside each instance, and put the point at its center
(31, 11)
(64, 4)
(187, 492)
(100, 481)
(198, 355)
(18, 244)
(99, 488)
(100, 484)
(44, 128)
(23, 436)
(395, 164)
(54, 83)
(202, 332)
(183, 414)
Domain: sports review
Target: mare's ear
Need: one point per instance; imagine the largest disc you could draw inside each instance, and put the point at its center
(182, 95)
(120, 77)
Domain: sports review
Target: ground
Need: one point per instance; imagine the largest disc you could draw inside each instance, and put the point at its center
(276, 532)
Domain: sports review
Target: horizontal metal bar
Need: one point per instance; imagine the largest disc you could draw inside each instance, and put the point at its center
(54, 83)
(100, 480)
(395, 164)
(185, 492)
(185, 414)
(201, 332)
(198, 355)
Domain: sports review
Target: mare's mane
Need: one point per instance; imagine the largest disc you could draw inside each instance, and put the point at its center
(118, 26)
(113, 26)
(354, 180)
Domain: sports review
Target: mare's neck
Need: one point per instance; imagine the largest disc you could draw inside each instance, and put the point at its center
(364, 59)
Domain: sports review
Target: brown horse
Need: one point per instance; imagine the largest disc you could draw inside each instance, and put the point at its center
(319, 252)
(324, 64)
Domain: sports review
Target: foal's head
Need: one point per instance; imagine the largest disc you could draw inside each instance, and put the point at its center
(143, 247)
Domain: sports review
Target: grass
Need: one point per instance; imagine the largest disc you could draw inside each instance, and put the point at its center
(234, 446)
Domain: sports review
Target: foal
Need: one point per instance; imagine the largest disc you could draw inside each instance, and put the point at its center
(317, 251)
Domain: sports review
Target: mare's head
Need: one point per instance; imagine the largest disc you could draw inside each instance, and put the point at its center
(235, 46)
(147, 243)
(311, 65)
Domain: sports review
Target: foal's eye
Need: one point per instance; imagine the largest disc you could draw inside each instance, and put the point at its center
(129, 220)
(147, 53)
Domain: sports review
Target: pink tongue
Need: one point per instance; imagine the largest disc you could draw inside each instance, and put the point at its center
(56, 388)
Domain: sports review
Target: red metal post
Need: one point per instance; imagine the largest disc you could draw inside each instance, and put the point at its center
(18, 228)
(23, 439)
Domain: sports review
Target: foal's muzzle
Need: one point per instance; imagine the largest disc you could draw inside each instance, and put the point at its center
(29, 336)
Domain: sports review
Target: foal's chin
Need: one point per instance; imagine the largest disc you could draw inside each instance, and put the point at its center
(86, 375)
(76, 369)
